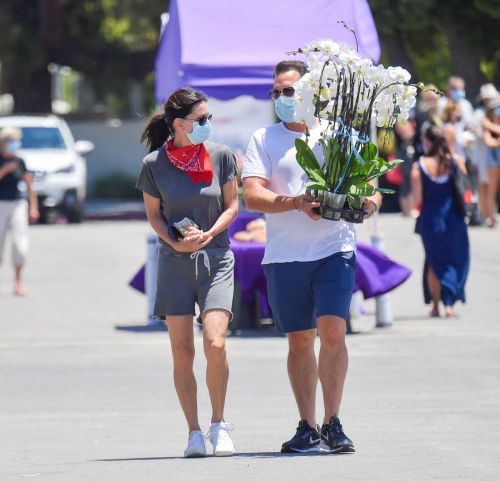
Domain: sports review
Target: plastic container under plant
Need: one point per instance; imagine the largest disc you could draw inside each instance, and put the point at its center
(334, 206)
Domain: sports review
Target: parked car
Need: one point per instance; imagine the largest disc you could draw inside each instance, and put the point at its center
(56, 164)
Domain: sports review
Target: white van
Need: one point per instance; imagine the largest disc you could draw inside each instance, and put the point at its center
(56, 164)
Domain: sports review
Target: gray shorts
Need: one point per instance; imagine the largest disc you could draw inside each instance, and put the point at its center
(184, 280)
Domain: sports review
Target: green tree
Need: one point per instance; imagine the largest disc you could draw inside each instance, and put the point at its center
(112, 42)
(435, 39)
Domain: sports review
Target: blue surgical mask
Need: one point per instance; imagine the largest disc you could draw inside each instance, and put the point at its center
(12, 146)
(457, 95)
(200, 133)
(497, 111)
(285, 108)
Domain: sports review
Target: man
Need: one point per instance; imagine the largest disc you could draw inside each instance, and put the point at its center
(13, 208)
(309, 264)
(456, 93)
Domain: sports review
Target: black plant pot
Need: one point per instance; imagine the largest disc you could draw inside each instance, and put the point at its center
(335, 207)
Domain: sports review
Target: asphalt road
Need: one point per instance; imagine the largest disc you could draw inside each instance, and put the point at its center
(86, 391)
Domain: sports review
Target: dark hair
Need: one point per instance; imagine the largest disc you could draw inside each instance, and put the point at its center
(439, 148)
(287, 65)
(160, 126)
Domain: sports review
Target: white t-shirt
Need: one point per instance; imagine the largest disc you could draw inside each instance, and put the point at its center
(292, 235)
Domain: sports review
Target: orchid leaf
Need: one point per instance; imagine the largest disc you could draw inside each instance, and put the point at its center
(307, 160)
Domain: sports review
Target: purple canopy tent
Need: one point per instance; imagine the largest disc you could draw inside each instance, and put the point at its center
(228, 48)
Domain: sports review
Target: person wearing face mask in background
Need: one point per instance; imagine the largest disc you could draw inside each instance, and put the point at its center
(309, 264)
(188, 180)
(14, 210)
(456, 93)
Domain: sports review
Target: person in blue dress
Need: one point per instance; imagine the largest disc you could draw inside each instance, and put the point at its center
(441, 224)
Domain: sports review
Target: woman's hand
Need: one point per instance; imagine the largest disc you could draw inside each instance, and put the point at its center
(195, 240)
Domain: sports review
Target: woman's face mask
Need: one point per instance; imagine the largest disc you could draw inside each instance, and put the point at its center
(285, 108)
(201, 132)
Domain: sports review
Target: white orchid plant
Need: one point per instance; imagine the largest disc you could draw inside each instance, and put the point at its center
(345, 90)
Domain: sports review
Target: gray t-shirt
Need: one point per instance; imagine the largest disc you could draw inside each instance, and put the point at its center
(181, 197)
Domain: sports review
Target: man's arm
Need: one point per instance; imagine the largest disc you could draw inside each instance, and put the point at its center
(8, 168)
(258, 197)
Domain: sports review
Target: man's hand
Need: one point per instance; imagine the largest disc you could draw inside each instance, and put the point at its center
(33, 214)
(306, 203)
(370, 206)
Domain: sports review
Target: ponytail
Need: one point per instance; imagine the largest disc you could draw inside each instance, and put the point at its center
(156, 132)
(160, 126)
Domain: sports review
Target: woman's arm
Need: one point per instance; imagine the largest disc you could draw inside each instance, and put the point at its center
(230, 196)
(416, 184)
(491, 126)
(489, 140)
(195, 239)
(32, 197)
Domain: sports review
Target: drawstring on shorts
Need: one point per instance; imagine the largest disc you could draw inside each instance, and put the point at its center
(206, 260)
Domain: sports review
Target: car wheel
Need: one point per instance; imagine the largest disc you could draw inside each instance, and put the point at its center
(75, 216)
(48, 216)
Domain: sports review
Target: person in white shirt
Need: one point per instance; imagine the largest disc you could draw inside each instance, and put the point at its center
(456, 93)
(309, 264)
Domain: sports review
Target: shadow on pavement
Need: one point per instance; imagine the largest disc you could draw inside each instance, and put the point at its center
(144, 328)
(258, 454)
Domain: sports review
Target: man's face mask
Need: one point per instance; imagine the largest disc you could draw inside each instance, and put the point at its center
(12, 146)
(285, 108)
(457, 94)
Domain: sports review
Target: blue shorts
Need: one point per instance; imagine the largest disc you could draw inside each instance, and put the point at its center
(300, 292)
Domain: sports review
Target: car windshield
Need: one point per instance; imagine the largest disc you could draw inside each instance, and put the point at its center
(42, 138)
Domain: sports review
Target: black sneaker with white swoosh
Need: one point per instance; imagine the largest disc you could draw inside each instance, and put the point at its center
(306, 440)
(335, 440)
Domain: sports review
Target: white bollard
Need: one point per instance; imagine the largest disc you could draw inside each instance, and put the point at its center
(384, 315)
(150, 275)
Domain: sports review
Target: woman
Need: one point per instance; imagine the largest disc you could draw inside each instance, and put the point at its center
(186, 177)
(441, 225)
(14, 211)
(491, 138)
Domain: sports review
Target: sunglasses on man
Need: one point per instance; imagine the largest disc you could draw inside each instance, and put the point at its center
(276, 93)
(200, 121)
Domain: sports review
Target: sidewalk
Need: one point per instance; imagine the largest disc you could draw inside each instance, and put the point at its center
(87, 393)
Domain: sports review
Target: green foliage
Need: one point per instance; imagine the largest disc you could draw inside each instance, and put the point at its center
(111, 42)
(116, 185)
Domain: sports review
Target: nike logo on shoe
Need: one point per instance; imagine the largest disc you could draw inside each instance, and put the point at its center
(313, 441)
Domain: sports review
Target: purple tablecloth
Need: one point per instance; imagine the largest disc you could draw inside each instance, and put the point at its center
(376, 274)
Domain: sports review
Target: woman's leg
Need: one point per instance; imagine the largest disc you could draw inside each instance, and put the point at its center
(180, 330)
(492, 193)
(435, 291)
(215, 322)
(483, 200)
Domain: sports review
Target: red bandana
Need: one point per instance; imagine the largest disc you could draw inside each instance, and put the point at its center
(193, 159)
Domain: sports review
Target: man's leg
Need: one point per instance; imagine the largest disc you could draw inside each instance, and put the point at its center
(303, 372)
(333, 361)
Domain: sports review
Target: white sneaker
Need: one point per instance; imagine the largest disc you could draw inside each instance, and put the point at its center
(218, 434)
(196, 445)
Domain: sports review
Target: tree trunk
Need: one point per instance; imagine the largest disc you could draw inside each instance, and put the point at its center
(31, 91)
(393, 47)
(464, 59)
